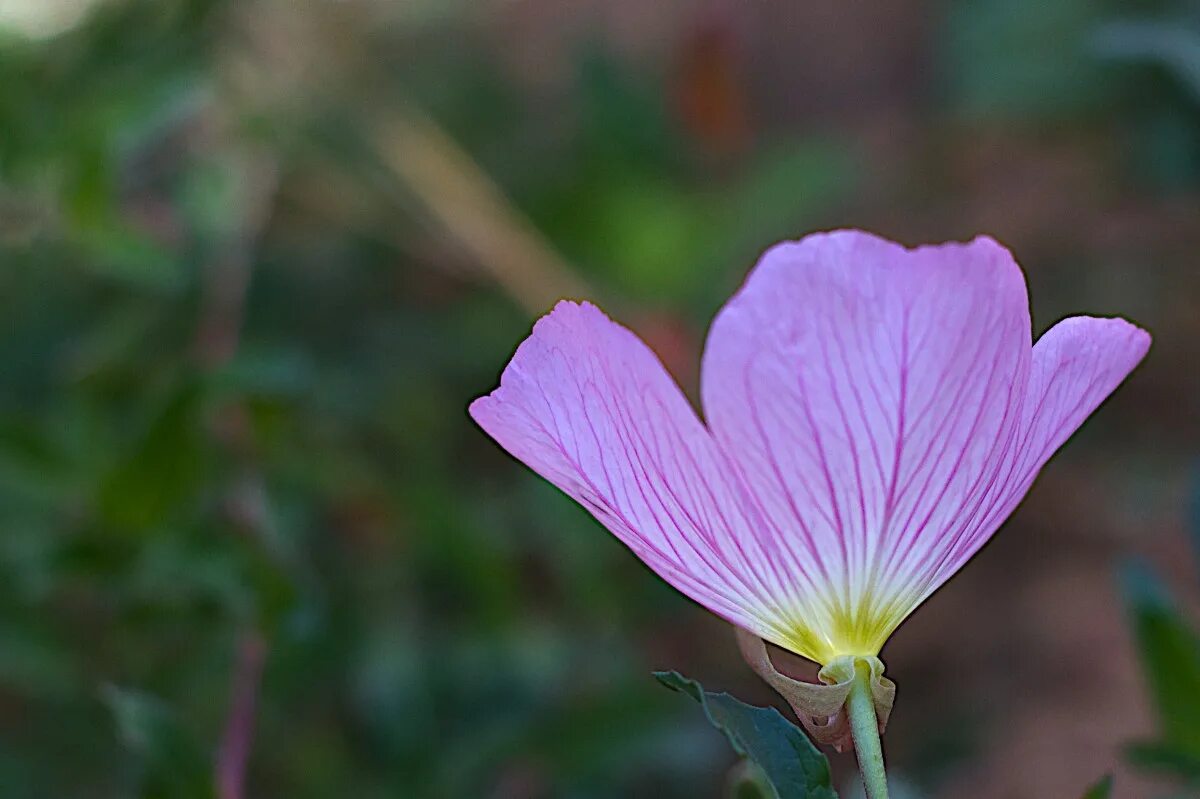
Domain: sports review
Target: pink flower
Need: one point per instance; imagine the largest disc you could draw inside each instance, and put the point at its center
(874, 413)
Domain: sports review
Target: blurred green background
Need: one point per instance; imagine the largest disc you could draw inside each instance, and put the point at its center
(258, 256)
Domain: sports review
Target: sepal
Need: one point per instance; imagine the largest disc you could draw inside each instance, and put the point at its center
(820, 707)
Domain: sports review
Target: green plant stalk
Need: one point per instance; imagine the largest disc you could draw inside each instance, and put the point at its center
(860, 706)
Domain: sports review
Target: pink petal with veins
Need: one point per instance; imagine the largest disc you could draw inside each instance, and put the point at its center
(589, 407)
(874, 414)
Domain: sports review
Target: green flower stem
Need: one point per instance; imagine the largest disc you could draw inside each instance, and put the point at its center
(860, 706)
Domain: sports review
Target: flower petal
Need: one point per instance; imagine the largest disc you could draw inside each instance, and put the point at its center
(868, 394)
(589, 407)
(1076, 365)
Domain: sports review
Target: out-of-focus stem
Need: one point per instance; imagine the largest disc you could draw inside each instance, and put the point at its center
(860, 707)
(474, 211)
(218, 335)
(239, 726)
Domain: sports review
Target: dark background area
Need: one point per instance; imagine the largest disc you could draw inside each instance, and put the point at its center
(258, 256)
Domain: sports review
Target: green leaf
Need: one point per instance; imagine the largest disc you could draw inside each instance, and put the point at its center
(792, 765)
(1170, 653)
(162, 470)
(1101, 790)
(1165, 759)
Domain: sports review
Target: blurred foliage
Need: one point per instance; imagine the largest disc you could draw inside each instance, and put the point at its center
(1101, 790)
(1170, 652)
(1025, 58)
(219, 420)
(1131, 65)
(1166, 49)
(239, 350)
(1171, 656)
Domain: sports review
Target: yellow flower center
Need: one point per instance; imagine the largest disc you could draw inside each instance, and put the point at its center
(859, 630)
